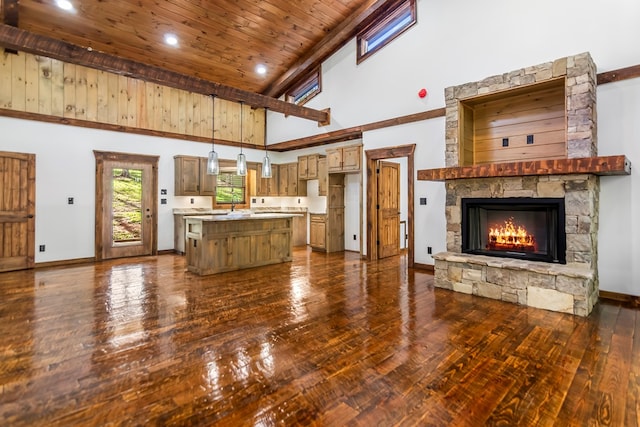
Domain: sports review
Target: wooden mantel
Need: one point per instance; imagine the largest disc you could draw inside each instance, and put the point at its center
(606, 165)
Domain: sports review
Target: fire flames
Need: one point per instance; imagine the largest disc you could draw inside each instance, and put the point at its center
(511, 237)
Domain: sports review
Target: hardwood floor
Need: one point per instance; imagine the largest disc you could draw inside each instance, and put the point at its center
(323, 340)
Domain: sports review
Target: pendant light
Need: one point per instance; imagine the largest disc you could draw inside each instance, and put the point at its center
(213, 166)
(266, 162)
(241, 164)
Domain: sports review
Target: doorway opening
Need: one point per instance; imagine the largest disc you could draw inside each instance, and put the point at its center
(126, 205)
(373, 156)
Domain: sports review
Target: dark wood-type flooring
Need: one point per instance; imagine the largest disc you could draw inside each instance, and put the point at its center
(323, 340)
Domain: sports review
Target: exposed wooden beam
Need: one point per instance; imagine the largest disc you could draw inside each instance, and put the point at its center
(10, 16)
(10, 12)
(353, 132)
(334, 40)
(619, 74)
(14, 38)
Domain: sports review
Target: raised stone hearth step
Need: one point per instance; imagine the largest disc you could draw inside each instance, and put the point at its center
(557, 287)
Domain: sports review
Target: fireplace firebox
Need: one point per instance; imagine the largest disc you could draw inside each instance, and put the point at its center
(524, 228)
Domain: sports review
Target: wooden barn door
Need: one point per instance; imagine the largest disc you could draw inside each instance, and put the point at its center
(389, 209)
(17, 210)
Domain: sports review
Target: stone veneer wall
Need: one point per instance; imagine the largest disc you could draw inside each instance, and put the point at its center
(570, 288)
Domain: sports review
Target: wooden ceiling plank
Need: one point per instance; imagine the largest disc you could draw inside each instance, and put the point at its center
(18, 39)
(333, 41)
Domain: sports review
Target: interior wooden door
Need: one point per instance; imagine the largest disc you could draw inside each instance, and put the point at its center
(126, 201)
(389, 209)
(17, 210)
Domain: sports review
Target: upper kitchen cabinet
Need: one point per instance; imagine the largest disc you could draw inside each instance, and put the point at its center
(191, 179)
(267, 187)
(308, 166)
(323, 177)
(289, 184)
(344, 159)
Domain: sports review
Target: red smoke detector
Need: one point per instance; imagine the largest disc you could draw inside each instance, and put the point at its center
(422, 93)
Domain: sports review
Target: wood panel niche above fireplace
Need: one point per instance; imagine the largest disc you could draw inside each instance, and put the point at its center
(524, 123)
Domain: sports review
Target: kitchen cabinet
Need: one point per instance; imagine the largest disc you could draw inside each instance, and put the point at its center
(190, 177)
(344, 159)
(334, 240)
(224, 243)
(323, 177)
(317, 232)
(288, 182)
(267, 187)
(308, 166)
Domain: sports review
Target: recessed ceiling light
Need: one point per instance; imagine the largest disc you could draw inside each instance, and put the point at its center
(171, 39)
(64, 4)
(261, 69)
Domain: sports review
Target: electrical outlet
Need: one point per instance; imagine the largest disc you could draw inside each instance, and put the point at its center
(193, 201)
(163, 201)
(529, 139)
(70, 200)
(354, 237)
(429, 250)
(298, 200)
(505, 142)
(423, 201)
(41, 248)
(253, 200)
(262, 201)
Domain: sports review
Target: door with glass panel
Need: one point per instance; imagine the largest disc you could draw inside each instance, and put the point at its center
(126, 217)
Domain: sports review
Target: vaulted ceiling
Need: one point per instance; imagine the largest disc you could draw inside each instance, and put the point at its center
(221, 41)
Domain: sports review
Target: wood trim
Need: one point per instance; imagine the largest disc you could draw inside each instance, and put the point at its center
(353, 132)
(372, 197)
(17, 39)
(118, 128)
(66, 262)
(614, 296)
(608, 165)
(619, 75)
(426, 267)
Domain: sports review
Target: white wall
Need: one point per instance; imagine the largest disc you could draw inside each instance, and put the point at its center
(65, 167)
(459, 41)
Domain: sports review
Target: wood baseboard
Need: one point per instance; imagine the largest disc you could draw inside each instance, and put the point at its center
(614, 296)
(427, 267)
(65, 262)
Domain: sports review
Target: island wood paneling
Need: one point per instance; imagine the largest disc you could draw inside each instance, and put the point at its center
(45, 86)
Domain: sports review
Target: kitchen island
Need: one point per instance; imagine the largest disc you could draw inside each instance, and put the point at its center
(219, 243)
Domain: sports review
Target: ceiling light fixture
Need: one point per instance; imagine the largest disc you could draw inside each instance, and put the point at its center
(171, 39)
(261, 69)
(64, 4)
(241, 164)
(213, 166)
(266, 162)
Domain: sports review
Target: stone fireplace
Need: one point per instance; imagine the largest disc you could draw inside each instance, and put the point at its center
(524, 141)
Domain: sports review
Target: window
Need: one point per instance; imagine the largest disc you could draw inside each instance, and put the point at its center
(230, 188)
(386, 28)
(309, 87)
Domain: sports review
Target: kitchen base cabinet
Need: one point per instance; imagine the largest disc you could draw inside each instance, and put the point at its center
(317, 232)
(219, 244)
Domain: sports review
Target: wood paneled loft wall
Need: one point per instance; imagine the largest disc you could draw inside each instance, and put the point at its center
(44, 86)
